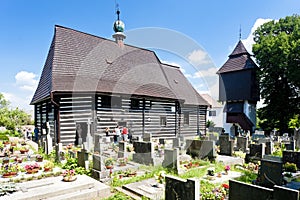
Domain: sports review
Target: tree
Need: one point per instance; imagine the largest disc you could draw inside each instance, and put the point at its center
(277, 52)
(12, 118)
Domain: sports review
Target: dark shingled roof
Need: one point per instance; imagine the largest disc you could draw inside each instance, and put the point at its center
(80, 62)
(239, 59)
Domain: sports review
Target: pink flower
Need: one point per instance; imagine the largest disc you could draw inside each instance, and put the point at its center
(227, 168)
(68, 173)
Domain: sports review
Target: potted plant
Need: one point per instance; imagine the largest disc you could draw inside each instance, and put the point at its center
(69, 175)
(130, 172)
(48, 166)
(32, 168)
(288, 177)
(122, 161)
(39, 158)
(9, 170)
(109, 162)
(24, 149)
(5, 160)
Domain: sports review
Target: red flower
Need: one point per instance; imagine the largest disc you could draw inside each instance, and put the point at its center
(226, 186)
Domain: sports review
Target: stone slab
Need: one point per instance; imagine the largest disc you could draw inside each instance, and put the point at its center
(54, 187)
(146, 188)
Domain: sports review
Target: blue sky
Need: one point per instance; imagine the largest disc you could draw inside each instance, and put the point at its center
(27, 28)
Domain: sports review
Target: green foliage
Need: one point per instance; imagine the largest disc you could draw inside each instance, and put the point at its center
(278, 150)
(290, 167)
(72, 163)
(119, 196)
(210, 123)
(294, 123)
(247, 177)
(3, 137)
(276, 50)
(12, 118)
(150, 171)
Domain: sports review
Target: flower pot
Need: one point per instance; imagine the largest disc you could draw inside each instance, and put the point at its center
(47, 169)
(5, 161)
(23, 151)
(69, 178)
(39, 159)
(32, 171)
(9, 174)
(109, 167)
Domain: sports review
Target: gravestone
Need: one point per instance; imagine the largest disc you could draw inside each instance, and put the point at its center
(240, 191)
(213, 137)
(201, 149)
(270, 172)
(291, 157)
(285, 193)
(122, 149)
(291, 146)
(226, 145)
(97, 145)
(97, 162)
(147, 137)
(58, 150)
(89, 144)
(83, 156)
(143, 152)
(297, 137)
(269, 148)
(263, 140)
(242, 143)
(177, 188)
(257, 150)
(176, 142)
(171, 159)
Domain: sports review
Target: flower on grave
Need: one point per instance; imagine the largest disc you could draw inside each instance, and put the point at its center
(227, 168)
(122, 161)
(68, 173)
(226, 186)
(32, 166)
(160, 177)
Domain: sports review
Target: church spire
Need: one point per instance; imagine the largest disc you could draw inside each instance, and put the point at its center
(118, 28)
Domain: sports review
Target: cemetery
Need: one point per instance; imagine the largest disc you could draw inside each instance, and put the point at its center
(112, 121)
(196, 168)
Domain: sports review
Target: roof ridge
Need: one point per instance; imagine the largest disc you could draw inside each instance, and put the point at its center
(96, 36)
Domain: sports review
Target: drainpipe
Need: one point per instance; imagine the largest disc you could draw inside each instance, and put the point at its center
(56, 107)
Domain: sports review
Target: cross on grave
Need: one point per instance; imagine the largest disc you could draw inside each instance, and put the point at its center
(88, 145)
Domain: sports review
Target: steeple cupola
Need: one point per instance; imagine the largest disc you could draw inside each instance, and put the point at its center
(119, 28)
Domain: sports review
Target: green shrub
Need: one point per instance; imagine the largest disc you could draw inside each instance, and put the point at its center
(290, 167)
(247, 177)
(3, 137)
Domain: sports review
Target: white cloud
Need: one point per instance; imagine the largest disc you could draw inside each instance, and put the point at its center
(19, 101)
(210, 72)
(198, 57)
(26, 80)
(248, 42)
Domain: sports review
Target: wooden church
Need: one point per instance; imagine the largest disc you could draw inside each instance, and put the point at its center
(91, 83)
(239, 89)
